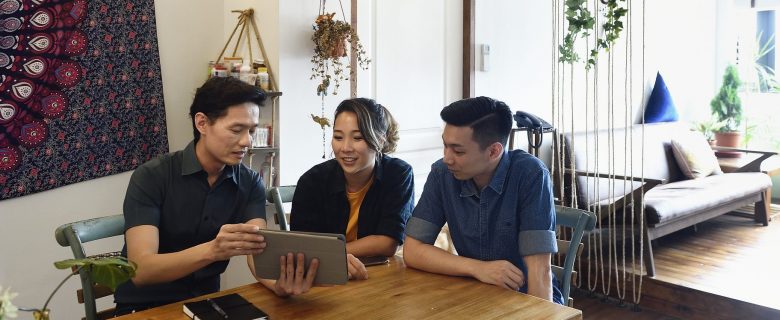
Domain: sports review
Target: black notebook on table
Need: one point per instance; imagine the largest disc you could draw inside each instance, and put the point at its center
(231, 306)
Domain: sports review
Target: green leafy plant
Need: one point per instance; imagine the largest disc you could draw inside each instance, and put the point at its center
(750, 133)
(709, 127)
(330, 38)
(612, 27)
(726, 105)
(765, 80)
(580, 24)
(580, 21)
(107, 271)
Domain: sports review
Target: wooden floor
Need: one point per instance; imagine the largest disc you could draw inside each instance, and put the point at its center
(728, 256)
(596, 307)
(725, 264)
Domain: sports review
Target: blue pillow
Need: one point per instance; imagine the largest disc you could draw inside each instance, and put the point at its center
(660, 107)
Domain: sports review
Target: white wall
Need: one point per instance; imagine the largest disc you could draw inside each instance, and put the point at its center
(680, 42)
(188, 32)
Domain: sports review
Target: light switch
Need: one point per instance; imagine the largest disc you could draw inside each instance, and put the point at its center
(485, 65)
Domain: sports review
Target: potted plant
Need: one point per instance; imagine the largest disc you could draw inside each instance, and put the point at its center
(727, 108)
(708, 129)
(107, 271)
(330, 43)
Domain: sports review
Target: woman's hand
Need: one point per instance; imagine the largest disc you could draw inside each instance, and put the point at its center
(357, 271)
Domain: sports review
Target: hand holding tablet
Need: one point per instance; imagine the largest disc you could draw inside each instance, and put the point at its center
(329, 249)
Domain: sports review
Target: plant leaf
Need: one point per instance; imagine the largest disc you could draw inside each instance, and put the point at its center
(110, 272)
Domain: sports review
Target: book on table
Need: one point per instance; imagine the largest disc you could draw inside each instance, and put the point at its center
(231, 306)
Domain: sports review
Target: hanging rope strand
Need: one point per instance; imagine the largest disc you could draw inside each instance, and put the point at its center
(626, 124)
(630, 63)
(560, 92)
(553, 63)
(343, 16)
(638, 299)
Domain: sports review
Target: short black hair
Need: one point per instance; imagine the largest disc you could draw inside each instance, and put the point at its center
(490, 119)
(218, 94)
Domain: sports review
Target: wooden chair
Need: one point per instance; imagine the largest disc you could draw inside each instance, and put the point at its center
(278, 196)
(74, 235)
(579, 221)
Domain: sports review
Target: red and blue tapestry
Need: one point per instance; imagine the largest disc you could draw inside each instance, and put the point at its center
(80, 91)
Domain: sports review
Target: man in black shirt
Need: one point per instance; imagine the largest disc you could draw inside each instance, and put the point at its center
(188, 212)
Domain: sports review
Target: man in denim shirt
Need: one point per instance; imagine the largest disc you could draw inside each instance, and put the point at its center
(498, 205)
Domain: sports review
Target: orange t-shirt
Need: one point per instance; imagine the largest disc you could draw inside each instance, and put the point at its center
(355, 199)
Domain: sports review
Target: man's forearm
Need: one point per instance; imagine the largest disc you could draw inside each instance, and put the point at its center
(161, 268)
(429, 258)
(540, 286)
(539, 276)
(374, 245)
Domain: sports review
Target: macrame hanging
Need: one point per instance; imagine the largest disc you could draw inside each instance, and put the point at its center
(596, 26)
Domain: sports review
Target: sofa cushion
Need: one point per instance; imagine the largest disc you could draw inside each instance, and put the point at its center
(660, 107)
(612, 151)
(674, 200)
(694, 155)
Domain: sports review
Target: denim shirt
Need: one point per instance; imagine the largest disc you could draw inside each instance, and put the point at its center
(512, 217)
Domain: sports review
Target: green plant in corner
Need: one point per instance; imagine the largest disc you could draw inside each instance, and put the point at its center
(330, 38)
(108, 271)
(761, 78)
(726, 105)
(709, 127)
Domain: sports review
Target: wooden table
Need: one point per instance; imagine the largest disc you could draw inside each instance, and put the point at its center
(770, 166)
(391, 292)
(747, 162)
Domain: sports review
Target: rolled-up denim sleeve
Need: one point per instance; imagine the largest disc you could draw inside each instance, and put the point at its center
(428, 216)
(536, 213)
(533, 242)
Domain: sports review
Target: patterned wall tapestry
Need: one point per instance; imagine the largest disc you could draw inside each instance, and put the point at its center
(80, 91)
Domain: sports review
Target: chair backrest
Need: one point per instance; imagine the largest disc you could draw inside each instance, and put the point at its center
(579, 221)
(74, 235)
(278, 196)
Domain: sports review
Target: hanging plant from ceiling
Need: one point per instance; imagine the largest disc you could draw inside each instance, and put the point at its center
(330, 50)
(581, 24)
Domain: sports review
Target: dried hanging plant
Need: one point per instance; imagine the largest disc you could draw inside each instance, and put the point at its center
(330, 43)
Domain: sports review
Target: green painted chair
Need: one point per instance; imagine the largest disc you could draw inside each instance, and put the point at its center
(75, 234)
(278, 196)
(580, 221)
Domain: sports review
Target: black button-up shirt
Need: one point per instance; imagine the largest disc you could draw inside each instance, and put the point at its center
(320, 202)
(172, 193)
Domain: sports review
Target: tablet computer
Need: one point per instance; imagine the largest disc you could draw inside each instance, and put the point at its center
(329, 248)
(374, 260)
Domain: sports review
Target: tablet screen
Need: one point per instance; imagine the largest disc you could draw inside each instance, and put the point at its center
(330, 249)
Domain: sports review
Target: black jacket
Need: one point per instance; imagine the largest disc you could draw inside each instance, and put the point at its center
(320, 202)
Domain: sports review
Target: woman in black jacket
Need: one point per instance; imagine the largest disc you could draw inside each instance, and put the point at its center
(362, 193)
